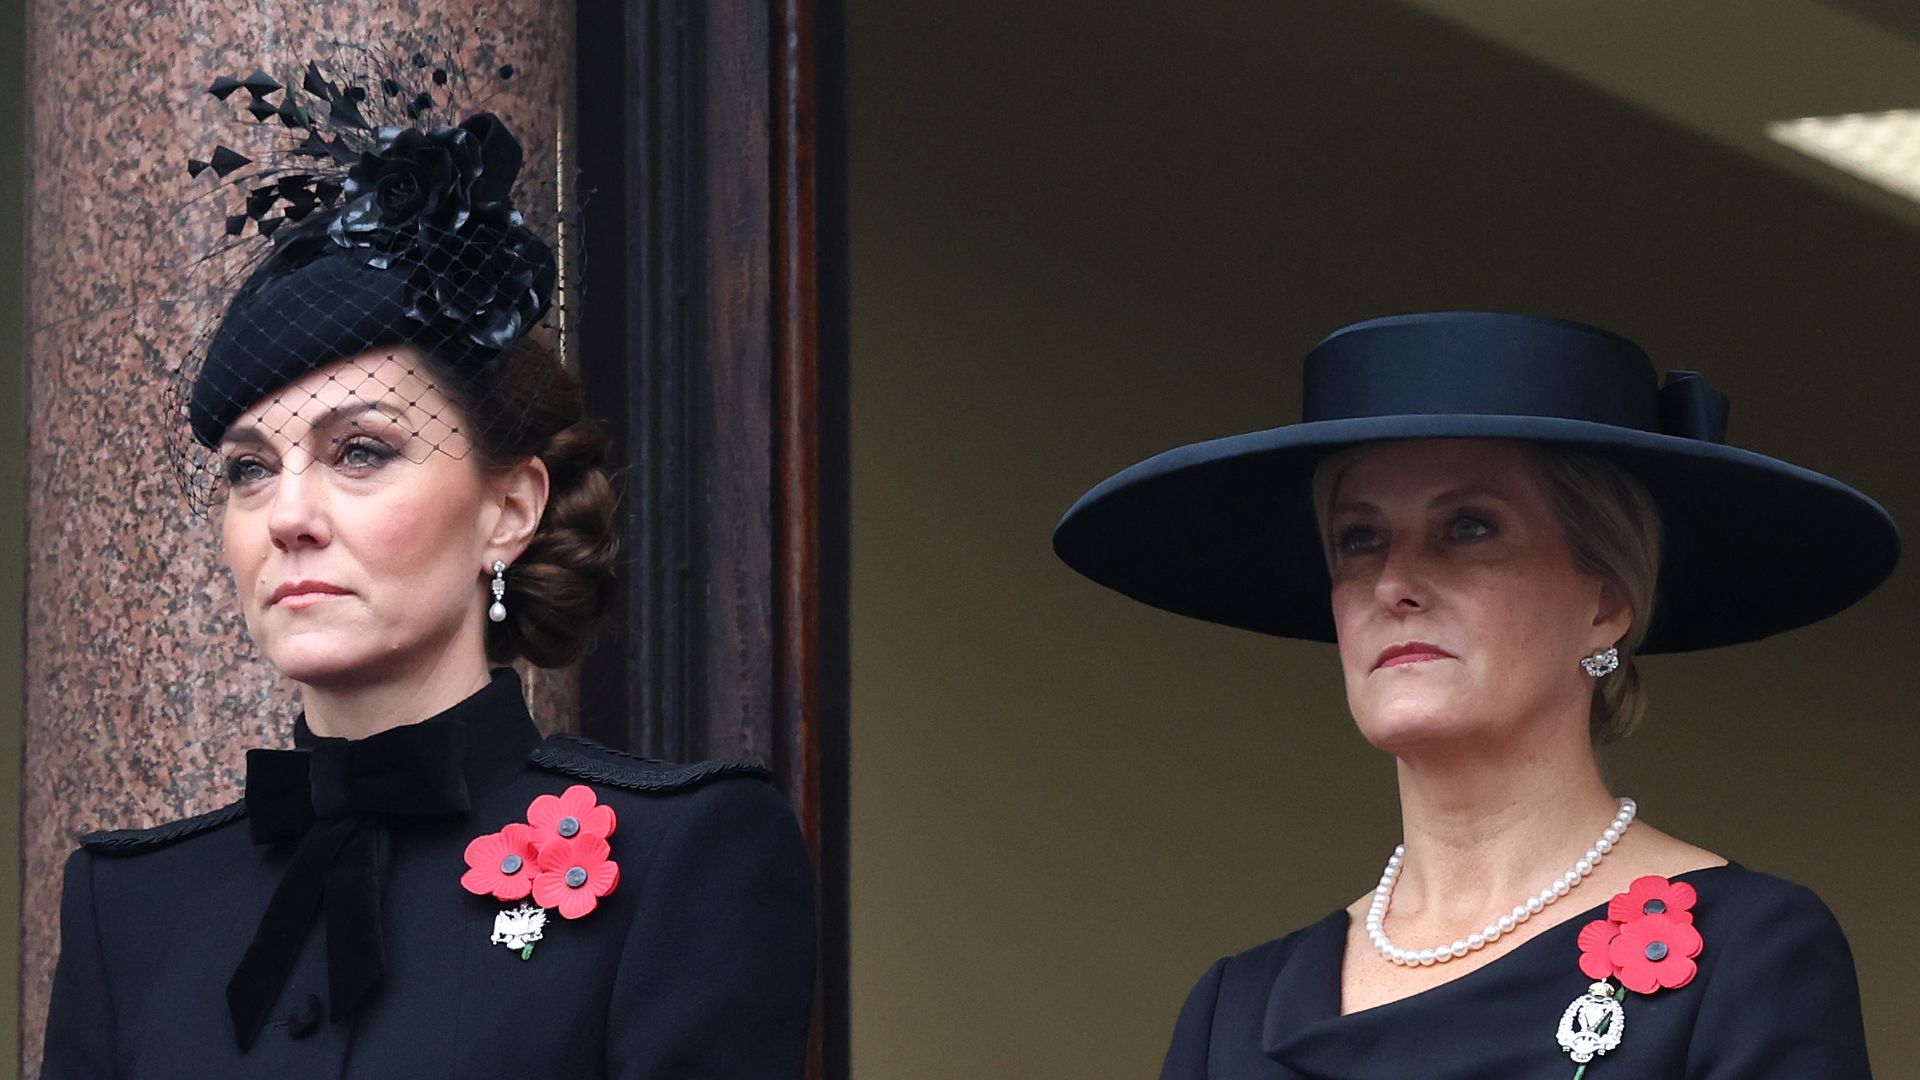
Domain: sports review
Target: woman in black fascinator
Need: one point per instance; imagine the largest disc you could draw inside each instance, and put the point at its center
(411, 499)
(1491, 516)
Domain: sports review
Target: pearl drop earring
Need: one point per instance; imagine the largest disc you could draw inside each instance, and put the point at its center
(498, 612)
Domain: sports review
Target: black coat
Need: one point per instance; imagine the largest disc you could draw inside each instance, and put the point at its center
(699, 964)
(1774, 999)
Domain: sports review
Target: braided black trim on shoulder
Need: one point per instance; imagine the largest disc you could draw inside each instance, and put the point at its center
(588, 760)
(134, 841)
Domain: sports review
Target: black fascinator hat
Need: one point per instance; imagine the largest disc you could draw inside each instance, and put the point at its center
(1223, 530)
(378, 223)
(425, 249)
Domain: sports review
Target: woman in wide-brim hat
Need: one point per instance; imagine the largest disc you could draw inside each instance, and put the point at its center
(1493, 515)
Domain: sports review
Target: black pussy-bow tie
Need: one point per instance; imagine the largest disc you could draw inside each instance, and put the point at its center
(335, 799)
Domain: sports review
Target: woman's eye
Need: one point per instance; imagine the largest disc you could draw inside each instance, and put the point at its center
(364, 455)
(1468, 527)
(1356, 539)
(244, 471)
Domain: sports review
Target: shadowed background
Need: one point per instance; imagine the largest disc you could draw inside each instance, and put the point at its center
(1084, 233)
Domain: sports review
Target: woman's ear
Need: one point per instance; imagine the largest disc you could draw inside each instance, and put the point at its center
(1612, 615)
(519, 498)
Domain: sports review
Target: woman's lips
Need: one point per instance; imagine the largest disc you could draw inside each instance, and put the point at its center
(1412, 652)
(301, 594)
(299, 601)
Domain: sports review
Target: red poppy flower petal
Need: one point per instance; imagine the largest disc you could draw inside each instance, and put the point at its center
(479, 880)
(549, 889)
(544, 813)
(556, 856)
(1630, 905)
(513, 887)
(577, 800)
(577, 902)
(1629, 948)
(1595, 936)
(484, 850)
(1596, 965)
(1676, 972)
(1594, 939)
(589, 849)
(1673, 899)
(599, 821)
(603, 877)
(1639, 978)
(1684, 939)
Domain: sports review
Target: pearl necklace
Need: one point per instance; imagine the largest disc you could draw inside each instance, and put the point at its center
(1494, 931)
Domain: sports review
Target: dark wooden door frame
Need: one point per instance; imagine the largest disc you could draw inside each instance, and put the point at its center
(712, 339)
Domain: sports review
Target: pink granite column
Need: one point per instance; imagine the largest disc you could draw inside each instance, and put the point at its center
(142, 690)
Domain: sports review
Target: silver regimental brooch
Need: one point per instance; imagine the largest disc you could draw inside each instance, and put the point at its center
(1592, 1024)
(519, 927)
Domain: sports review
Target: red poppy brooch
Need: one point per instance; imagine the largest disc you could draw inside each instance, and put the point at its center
(559, 857)
(1648, 943)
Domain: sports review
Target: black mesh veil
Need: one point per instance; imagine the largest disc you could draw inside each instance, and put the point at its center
(374, 281)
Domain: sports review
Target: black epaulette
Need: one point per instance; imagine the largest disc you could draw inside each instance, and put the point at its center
(134, 841)
(588, 760)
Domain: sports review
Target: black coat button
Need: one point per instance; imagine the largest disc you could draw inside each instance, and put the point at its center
(304, 1020)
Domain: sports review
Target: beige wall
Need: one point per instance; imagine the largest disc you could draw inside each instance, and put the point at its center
(1083, 233)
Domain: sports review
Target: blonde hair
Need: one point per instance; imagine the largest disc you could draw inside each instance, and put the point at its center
(1612, 529)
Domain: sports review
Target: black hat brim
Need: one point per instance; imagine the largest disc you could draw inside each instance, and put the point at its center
(1224, 531)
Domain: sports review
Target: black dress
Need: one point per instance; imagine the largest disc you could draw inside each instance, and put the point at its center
(1775, 998)
(698, 964)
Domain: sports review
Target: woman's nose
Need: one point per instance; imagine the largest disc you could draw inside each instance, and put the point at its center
(298, 517)
(1404, 583)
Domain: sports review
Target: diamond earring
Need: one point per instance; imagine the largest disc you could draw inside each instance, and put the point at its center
(1601, 663)
(498, 612)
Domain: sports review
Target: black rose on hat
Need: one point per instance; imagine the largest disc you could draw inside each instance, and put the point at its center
(484, 285)
(415, 184)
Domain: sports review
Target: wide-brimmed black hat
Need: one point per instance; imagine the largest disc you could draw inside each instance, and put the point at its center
(1224, 530)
